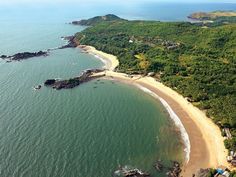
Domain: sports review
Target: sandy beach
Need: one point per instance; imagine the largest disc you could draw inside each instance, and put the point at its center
(206, 148)
(109, 60)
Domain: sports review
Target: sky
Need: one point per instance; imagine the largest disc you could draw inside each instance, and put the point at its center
(109, 1)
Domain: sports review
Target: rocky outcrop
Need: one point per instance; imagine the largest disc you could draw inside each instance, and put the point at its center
(24, 56)
(175, 170)
(136, 173)
(76, 81)
(3, 56)
(202, 173)
(49, 82)
(158, 166)
(126, 172)
(72, 43)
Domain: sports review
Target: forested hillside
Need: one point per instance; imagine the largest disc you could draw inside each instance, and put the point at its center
(198, 62)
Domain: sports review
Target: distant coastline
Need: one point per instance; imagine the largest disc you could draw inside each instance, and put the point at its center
(203, 136)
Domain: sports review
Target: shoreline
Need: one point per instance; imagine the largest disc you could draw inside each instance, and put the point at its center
(175, 119)
(205, 146)
(110, 61)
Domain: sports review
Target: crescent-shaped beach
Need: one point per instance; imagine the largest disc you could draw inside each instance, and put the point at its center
(206, 147)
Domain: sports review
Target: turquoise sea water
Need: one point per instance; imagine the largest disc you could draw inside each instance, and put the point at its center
(83, 132)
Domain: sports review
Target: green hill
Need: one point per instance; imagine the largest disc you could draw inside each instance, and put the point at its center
(98, 19)
(199, 63)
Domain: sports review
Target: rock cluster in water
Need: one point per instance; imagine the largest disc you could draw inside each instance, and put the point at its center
(127, 172)
(23, 56)
(71, 42)
(158, 166)
(26, 55)
(74, 82)
(175, 170)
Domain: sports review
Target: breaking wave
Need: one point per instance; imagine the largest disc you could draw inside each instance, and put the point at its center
(176, 120)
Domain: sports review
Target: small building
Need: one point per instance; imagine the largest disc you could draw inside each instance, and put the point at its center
(233, 162)
(226, 174)
(151, 74)
(228, 134)
(229, 158)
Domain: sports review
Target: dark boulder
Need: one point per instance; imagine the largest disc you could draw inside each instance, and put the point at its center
(3, 56)
(71, 42)
(49, 82)
(158, 166)
(175, 170)
(202, 173)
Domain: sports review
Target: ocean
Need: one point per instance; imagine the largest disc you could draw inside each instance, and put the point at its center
(90, 130)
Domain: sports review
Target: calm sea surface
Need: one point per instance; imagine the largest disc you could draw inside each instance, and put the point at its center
(92, 129)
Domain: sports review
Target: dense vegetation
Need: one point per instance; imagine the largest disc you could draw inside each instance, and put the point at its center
(198, 62)
(98, 19)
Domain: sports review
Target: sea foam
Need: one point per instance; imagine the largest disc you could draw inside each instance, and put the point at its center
(102, 60)
(175, 118)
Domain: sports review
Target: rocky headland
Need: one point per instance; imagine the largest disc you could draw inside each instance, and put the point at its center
(72, 43)
(23, 56)
(86, 76)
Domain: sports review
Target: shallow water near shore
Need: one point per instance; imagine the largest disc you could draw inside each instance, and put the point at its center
(86, 131)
